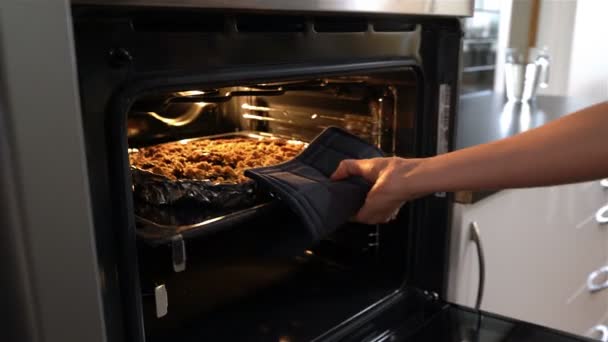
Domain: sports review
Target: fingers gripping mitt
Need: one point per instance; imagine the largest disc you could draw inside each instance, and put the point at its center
(303, 183)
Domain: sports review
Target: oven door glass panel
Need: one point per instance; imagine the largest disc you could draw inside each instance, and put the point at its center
(281, 285)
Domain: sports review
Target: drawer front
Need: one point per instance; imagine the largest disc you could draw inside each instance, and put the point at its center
(540, 246)
(598, 330)
(585, 309)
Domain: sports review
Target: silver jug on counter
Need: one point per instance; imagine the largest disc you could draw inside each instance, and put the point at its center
(523, 75)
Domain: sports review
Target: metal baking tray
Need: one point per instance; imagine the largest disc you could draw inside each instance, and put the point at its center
(166, 208)
(167, 223)
(159, 190)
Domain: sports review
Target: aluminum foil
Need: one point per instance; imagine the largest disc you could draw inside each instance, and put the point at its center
(158, 190)
(166, 207)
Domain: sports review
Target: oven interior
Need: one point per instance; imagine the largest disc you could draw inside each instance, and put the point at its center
(253, 273)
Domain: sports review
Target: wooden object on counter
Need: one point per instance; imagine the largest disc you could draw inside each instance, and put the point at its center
(533, 27)
(464, 197)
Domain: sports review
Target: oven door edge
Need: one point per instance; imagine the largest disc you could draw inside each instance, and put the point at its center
(417, 315)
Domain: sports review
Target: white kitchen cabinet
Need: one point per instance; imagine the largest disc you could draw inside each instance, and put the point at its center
(599, 330)
(540, 246)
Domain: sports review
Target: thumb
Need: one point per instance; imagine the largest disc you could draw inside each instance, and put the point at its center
(347, 168)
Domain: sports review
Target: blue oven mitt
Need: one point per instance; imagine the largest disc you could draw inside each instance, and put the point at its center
(303, 182)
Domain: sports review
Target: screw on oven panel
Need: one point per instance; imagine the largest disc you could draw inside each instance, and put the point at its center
(119, 57)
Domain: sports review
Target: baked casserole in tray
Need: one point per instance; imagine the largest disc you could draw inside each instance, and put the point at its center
(180, 185)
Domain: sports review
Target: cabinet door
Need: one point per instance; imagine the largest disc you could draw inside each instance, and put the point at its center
(540, 246)
(599, 329)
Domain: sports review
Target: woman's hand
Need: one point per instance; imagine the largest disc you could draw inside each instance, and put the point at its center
(390, 189)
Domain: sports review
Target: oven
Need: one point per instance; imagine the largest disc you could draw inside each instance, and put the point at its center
(103, 246)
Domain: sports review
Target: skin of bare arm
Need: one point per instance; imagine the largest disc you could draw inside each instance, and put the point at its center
(571, 149)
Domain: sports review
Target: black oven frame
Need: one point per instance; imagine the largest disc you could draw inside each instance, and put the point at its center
(113, 69)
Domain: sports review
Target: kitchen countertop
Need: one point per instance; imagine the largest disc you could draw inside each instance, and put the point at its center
(488, 117)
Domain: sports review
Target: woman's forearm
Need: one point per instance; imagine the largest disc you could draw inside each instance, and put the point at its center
(571, 149)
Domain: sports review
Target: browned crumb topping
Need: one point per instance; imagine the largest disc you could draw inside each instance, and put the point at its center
(218, 160)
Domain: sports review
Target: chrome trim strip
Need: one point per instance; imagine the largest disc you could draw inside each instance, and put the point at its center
(451, 8)
(476, 238)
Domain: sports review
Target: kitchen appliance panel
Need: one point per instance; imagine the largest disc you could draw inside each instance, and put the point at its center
(121, 71)
(259, 279)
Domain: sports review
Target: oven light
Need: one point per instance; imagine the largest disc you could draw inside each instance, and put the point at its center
(314, 116)
(309, 252)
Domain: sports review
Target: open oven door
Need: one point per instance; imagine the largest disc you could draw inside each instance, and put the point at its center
(414, 315)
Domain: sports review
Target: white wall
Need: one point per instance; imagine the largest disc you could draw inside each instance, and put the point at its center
(589, 58)
(575, 32)
(555, 31)
(520, 18)
(513, 33)
(504, 35)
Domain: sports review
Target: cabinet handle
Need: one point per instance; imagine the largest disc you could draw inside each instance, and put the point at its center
(476, 238)
(591, 284)
(600, 329)
(601, 216)
(604, 182)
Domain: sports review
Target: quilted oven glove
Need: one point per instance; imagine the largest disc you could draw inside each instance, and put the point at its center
(303, 182)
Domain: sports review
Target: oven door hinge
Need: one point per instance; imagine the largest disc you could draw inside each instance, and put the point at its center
(178, 253)
(161, 300)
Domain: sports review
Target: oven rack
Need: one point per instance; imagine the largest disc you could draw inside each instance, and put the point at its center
(274, 89)
(157, 234)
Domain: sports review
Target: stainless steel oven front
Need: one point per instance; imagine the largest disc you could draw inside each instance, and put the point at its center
(85, 83)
